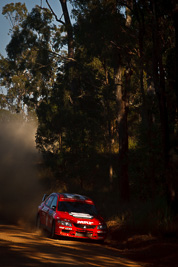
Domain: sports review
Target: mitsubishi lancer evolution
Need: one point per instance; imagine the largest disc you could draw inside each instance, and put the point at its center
(70, 215)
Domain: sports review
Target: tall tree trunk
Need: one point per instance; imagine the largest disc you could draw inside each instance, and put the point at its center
(110, 135)
(147, 103)
(70, 39)
(175, 18)
(69, 29)
(159, 83)
(140, 17)
(122, 102)
(122, 130)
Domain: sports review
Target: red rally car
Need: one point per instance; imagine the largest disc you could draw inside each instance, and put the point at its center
(71, 215)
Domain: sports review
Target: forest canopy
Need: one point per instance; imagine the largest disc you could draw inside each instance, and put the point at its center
(101, 80)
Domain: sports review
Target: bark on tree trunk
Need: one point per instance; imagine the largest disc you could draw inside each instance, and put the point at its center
(159, 83)
(71, 62)
(122, 102)
(123, 131)
(175, 18)
(69, 29)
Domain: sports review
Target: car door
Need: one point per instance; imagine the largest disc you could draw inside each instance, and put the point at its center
(45, 209)
(51, 211)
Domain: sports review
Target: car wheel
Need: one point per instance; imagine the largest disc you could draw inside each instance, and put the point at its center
(52, 234)
(38, 222)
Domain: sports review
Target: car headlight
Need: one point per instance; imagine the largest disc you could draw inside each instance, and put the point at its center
(65, 223)
(102, 227)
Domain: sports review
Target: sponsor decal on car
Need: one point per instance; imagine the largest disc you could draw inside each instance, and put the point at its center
(84, 222)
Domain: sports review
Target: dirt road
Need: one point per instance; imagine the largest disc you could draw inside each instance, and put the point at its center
(19, 247)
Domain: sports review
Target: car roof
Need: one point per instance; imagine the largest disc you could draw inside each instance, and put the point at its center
(73, 197)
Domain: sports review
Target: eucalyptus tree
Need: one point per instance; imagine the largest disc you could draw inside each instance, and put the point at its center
(104, 32)
(15, 13)
(154, 60)
(28, 72)
(164, 47)
(100, 93)
(129, 46)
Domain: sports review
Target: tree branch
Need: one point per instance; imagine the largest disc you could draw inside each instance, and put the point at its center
(54, 14)
(52, 11)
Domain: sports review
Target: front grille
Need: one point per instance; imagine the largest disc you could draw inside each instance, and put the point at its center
(83, 234)
(66, 231)
(84, 226)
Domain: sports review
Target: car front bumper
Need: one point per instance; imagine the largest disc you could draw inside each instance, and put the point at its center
(81, 233)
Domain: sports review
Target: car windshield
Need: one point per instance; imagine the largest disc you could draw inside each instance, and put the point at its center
(79, 207)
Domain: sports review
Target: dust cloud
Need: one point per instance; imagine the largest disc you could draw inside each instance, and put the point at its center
(20, 190)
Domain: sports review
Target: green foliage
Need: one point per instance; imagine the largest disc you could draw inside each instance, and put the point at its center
(75, 100)
(29, 70)
(15, 13)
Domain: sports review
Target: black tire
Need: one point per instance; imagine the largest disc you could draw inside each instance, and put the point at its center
(52, 234)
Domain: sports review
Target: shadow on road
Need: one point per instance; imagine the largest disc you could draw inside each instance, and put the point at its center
(27, 248)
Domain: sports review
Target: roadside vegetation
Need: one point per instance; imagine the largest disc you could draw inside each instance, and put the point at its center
(102, 88)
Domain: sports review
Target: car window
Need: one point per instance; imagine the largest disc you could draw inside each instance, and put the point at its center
(54, 202)
(77, 207)
(49, 201)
